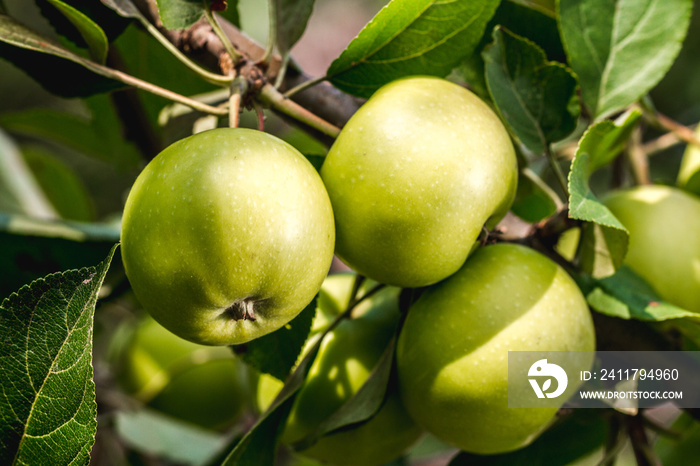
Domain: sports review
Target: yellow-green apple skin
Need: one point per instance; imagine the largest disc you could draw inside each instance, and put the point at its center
(200, 384)
(344, 362)
(664, 242)
(414, 176)
(452, 353)
(227, 235)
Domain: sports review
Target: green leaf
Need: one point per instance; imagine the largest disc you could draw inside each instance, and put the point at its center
(47, 408)
(292, 17)
(64, 189)
(19, 189)
(621, 49)
(524, 20)
(605, 240)
(683, 450)
(125, 8)
(532, 94)
(562, 444)
(167, 437)
(409, 37)
(33, 248)
(534, 199)
(92, 34)
(180, 14)
(259, 444)
(277, 352)
(97, 136)
(627, 296)
(66, 79)
(362, 405)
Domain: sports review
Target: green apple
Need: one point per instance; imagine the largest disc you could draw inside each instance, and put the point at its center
(227, 235)
(344, 362)
(414, 176)
(203, 385)
(664, 244)
(452, 354)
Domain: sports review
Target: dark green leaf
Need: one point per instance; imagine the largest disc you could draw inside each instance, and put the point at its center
(277, 352)
(620, 49)
(292, 17)
(48, 409)
(63, 188)
(362, 405)
(684, 449)
(566, 441)
(180, 14)
(605, 241)
(524, 20)
(33, 248)
(259, 444)
(92, 34)
(627, 296)
(532, 94)
(69, 76)
(534, 200)
(95, 137)
(167, 437)
(410, 37)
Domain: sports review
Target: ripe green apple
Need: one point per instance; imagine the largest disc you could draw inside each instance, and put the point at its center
(452, 353)
(227, 235)
(344, 362)
(414, 176)
(203, 385)
(664, 244)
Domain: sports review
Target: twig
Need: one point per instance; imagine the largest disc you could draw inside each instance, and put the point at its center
(661, 121)
(272, 32)
(640, 443)
(557, 170)
(638, 159)
(272, 97)
(225, 41)
(304, 85)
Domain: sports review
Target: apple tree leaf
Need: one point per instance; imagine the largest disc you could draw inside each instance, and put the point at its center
(32, 248)
(604, 238)
(71, 75)
(47, 403)
(92, 34)
(258, 445)
(620, 49)
(277, 352)
(292, 17)
(163, 436)
(180, 14)
(524, 20)
(626, 295)
(572, 438)
(362, 405)
(536, 98)
(683, 448)
(534, 199)
(409, 37)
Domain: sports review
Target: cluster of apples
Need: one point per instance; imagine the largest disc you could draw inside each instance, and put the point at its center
(228, 234)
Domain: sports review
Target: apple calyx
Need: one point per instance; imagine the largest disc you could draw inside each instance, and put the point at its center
(242, 309)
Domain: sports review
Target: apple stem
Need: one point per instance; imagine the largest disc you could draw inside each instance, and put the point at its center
(243, 309)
